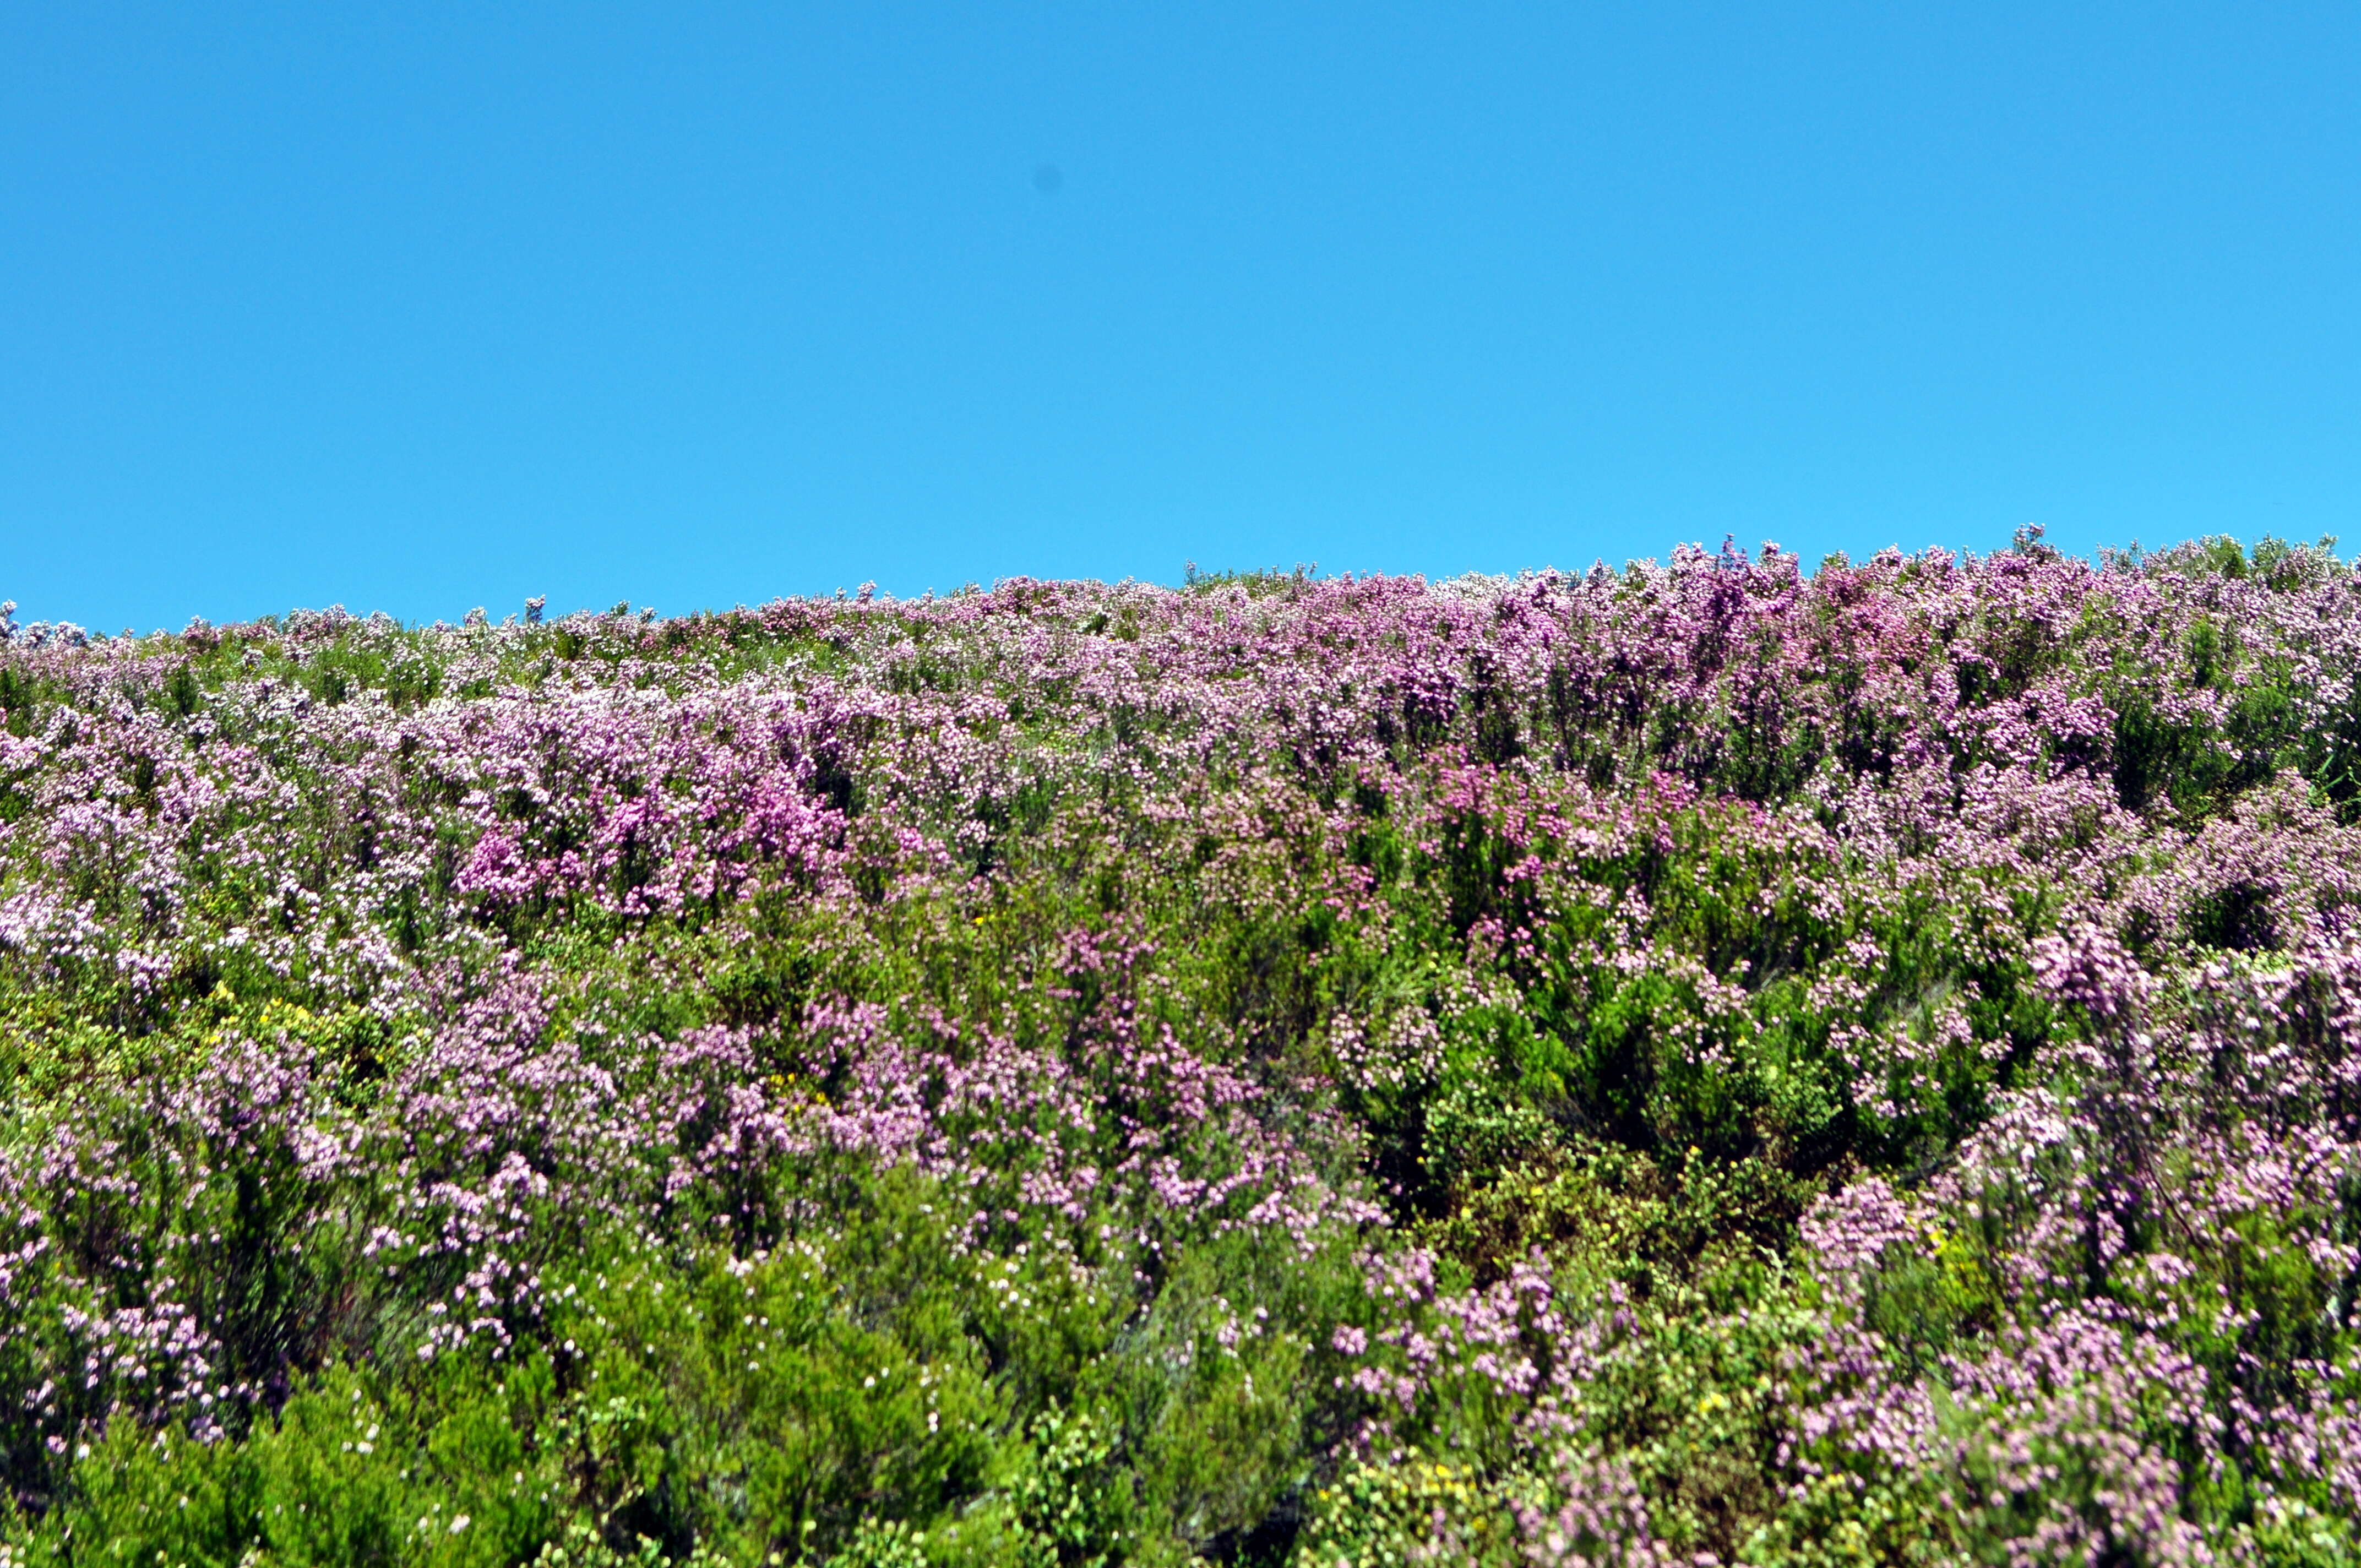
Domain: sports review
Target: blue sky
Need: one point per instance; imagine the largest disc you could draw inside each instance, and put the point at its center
(423, 308)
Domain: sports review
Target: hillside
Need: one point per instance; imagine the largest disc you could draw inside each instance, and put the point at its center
(1846, 1065)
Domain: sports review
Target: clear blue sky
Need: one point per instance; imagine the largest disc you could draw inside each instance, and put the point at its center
(420, 308)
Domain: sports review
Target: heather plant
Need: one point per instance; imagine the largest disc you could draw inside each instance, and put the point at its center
(1714, 1061)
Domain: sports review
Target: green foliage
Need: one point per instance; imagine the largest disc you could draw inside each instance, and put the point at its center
(1391, 1515)
(1070, 1499)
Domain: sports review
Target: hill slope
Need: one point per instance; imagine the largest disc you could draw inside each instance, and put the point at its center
(1711, 1058)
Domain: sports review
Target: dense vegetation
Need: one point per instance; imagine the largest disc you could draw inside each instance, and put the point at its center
(1705, 1062)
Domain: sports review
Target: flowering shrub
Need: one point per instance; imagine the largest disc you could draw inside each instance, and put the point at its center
(1712, 1062)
